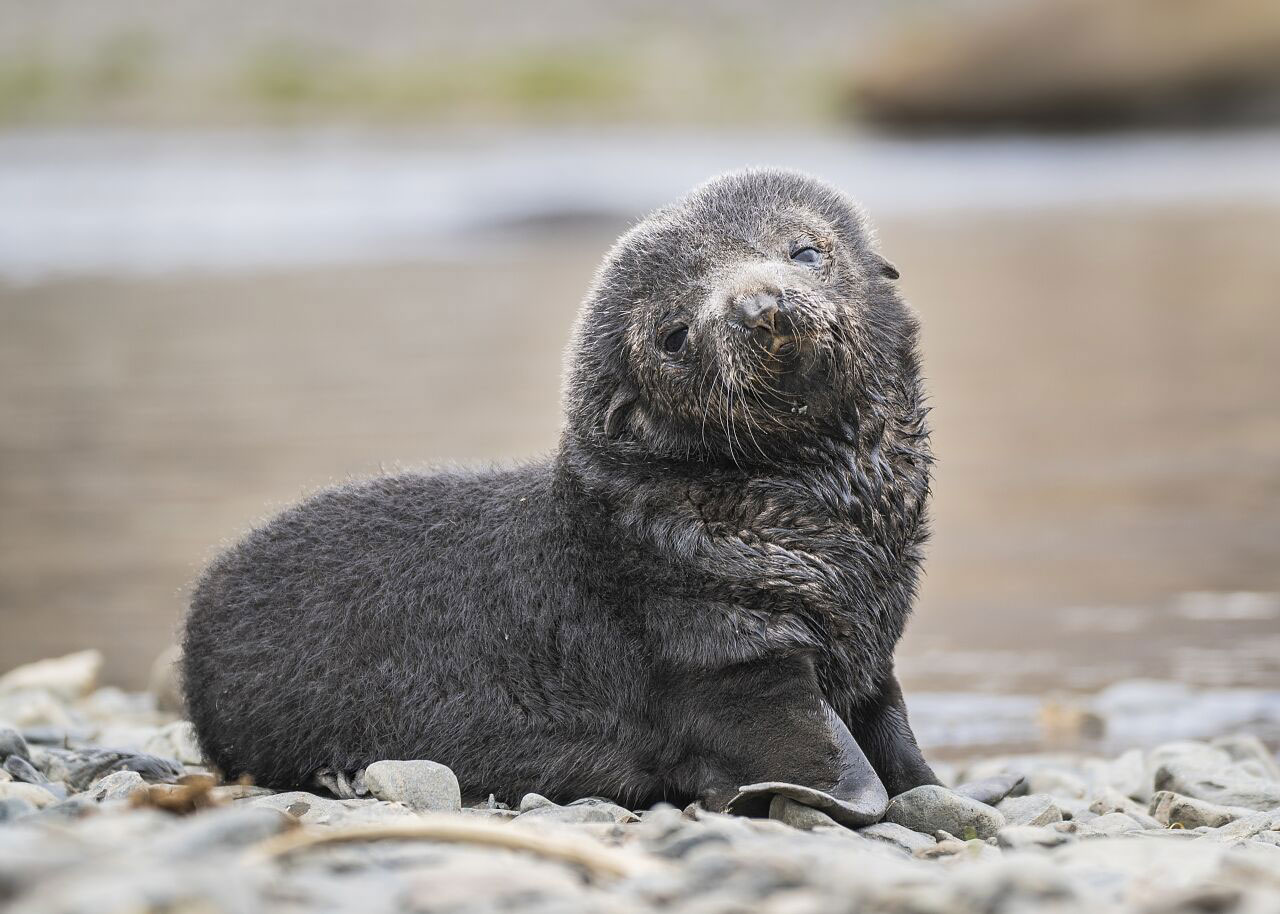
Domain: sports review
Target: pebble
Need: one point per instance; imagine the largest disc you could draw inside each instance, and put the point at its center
(1168, 808)
(797, 815)
(929, 808)
(12, 743)
(567, 815)
(310, 809)
(119, 785)
(421, 785)
(19, 769)
(898, 836)
(1224, 787)
(34, 794)
(1033, 809)
(1091, 836)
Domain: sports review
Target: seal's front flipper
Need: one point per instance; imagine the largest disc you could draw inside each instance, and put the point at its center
(856, 799)
(992, 790)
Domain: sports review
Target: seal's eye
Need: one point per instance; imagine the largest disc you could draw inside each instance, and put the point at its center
(673, 342)
(809, 256)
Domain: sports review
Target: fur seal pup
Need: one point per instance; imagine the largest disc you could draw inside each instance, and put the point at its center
(697, 597)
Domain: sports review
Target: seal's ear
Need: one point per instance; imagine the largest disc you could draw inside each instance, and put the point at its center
(887, 270)
(615, 418)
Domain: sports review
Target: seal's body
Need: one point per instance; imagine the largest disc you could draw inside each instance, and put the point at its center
(702, 589)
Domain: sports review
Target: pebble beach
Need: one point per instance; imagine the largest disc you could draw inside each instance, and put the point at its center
(105, 806)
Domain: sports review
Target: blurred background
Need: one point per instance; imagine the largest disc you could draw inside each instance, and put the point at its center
(251, 249)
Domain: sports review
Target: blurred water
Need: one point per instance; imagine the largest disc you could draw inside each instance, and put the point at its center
(111, 201)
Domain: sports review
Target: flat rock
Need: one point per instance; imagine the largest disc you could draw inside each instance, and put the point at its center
(930, 808)
(310, 809)
(1168, 808)
(898, 836)
(1250, 825)
(567, 815)
(1223, 787)
(1033, 809)
(421, 785)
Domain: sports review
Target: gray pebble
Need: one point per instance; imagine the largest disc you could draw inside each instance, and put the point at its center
(532, 801)
(12, 743)
(570, 815)
(797, 815)
(1168, 808)
(421, 785)
(930, 808)
(898, 836)
(19, 769)
(1222, 787)
(1033, 809)
(119, 785)
(620, 814)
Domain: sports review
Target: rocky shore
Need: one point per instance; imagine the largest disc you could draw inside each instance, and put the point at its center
(105, 806)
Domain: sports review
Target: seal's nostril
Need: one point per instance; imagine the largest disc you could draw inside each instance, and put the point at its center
(757, 310)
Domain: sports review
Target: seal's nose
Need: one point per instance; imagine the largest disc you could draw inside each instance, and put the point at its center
(757, 310)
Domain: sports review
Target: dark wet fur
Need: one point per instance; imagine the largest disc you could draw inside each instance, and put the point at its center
(722, 550)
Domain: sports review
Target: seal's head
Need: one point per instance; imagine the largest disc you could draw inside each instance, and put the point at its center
(748, 317)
